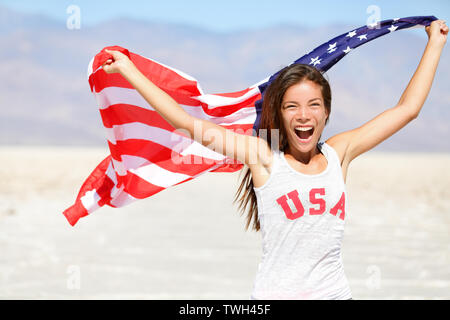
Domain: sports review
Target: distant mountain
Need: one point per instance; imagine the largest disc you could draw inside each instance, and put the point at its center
(45, 96)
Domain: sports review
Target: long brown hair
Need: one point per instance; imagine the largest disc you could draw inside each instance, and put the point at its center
(271, 119)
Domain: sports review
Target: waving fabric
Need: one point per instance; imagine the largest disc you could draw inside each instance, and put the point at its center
(147, 155)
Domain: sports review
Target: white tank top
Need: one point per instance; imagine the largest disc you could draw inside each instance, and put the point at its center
(302, 225)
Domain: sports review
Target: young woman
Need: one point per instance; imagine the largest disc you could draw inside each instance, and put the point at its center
(295, 188)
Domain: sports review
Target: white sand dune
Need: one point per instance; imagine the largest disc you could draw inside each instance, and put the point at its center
(189, 242)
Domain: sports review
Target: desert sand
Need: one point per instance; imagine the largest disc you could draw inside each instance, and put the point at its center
(189, 242)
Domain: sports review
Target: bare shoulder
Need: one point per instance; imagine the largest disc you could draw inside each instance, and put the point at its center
(261, 164)
(340, 143)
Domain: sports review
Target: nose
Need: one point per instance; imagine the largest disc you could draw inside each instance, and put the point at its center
(303, 114)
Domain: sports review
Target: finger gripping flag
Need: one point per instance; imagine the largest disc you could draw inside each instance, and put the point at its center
(147, 155)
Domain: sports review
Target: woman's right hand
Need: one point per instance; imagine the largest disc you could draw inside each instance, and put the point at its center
(119, 64)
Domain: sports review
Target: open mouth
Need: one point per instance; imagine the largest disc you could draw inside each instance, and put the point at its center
(304, 133)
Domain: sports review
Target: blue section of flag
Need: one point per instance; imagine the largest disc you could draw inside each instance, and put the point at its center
(326, 55)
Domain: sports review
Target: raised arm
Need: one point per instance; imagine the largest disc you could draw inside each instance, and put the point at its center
(244, 148)
(352, 143)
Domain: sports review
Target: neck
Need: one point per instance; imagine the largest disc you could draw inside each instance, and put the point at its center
(303, 157)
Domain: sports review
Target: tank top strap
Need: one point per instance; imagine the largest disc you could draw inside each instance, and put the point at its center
(276, 160)
(330, 154)
(274, 169)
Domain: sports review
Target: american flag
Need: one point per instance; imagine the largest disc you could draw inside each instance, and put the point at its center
(147, 155)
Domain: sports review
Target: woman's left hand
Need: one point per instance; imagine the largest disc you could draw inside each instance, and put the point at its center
(437, 31)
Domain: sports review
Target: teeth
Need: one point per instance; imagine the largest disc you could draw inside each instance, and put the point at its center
(303, 128)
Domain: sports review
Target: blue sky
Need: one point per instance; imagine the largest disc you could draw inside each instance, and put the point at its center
(230, 15)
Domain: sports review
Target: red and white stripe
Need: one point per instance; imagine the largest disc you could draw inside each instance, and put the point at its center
(146, 154)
